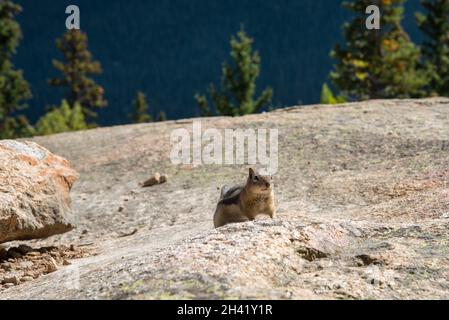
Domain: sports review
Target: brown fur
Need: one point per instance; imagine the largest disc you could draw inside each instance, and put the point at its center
(245, 202)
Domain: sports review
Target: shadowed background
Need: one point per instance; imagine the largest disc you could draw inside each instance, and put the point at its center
(172, 49)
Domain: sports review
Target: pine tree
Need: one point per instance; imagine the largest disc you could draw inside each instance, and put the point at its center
(62, 119)
(140, 113)
(328, 97)
(377, 63)
(238, 82)
(161, 116)
(435, 26)
(76, 68)
(14, 89)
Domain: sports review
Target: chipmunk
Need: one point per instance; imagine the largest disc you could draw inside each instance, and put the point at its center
(244, 202)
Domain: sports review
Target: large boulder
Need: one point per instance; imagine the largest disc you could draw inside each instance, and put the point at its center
(34, 192)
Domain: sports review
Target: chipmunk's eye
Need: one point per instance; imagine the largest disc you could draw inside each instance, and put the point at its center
(256, 178)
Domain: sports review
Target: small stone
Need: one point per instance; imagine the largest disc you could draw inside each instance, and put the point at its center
(51, 265)
(11, 279)
(25, 264)
(55, 254)
(120, 209)
(127, 234)
(155, 179)
(27, 278)
(84, 232)
(8, 285)
(6, 266)
(33, 254)
(66, 262)
(163, 179)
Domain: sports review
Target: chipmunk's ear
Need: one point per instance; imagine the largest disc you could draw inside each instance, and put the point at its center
(251, 173)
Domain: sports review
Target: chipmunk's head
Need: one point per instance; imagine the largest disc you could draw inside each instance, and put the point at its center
(259, 184)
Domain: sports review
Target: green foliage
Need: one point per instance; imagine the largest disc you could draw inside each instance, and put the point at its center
(238, 82)
(435, 26)
(62, 119)
(16, 127)
(161, 116)
(327, 96)
(140, 113)
(14, 89)
(377, 63)
(76, 68)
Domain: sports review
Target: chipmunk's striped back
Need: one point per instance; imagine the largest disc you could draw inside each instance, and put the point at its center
(244, 202)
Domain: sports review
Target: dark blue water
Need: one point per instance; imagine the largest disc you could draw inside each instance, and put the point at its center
(171, 49)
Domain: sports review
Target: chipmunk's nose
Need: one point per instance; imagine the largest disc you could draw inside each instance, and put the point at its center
(267, 184)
